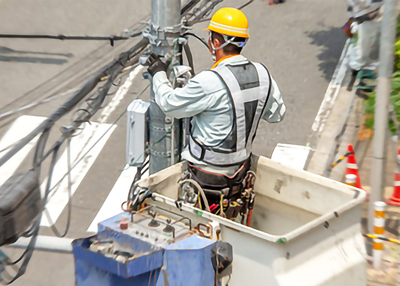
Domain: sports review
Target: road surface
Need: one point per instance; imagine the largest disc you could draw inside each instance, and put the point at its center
(299, 41)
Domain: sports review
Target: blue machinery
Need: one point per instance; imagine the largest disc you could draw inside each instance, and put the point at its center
(150, 247)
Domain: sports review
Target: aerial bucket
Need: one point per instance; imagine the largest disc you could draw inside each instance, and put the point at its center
(305, 229)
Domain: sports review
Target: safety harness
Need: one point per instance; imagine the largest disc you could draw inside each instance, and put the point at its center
(249, 87)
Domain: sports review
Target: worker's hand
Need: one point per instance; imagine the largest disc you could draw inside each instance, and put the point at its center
(155, 65)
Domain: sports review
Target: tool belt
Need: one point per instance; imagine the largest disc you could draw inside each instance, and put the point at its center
(227, 196)
(216, 184)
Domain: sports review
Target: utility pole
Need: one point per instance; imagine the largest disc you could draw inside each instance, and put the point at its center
(165, 28)
(381, 126)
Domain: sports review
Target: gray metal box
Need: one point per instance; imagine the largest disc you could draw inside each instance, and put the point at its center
(137, 132)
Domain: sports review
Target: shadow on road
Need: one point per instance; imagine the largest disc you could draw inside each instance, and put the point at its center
(34, 60)
(331, 42)
(11, 55)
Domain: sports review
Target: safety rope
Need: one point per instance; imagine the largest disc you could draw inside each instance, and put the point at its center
(381, 238)
(341, 159)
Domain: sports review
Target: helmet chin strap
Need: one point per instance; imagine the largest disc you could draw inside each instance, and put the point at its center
(227, 42)
(214, 57)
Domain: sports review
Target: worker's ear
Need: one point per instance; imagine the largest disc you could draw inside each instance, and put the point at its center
(216, 43)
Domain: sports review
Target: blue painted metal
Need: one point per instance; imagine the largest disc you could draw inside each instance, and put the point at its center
(142, 262)
(87, 275)
(186, 262)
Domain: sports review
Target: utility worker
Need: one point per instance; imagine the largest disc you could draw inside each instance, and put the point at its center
(225, 104)
(365, 30)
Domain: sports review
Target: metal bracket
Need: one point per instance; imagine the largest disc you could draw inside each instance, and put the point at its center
(163, 154)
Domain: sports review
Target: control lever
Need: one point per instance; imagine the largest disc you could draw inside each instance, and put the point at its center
(169, 228)
(153, 222)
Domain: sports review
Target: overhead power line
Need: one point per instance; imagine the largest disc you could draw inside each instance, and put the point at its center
(112, 39)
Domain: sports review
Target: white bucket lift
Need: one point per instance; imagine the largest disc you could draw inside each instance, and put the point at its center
(305, 228)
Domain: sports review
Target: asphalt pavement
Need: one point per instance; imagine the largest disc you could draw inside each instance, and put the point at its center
(299, 41)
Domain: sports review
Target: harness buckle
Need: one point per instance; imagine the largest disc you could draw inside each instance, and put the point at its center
(203, 153)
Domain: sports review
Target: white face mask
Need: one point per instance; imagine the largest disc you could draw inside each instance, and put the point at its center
(214, 57)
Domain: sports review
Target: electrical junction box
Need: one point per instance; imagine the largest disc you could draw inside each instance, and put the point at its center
(20, 204)
(137, 132)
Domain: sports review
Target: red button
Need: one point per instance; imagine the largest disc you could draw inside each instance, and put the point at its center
(123, 225)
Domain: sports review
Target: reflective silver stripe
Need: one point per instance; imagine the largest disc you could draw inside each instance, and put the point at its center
(352, 166)
(195, 149)
(238, 104)
(229, 28)
(217, 158)
(263, 95)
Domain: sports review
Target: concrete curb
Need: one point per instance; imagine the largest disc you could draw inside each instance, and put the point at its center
(339, 128)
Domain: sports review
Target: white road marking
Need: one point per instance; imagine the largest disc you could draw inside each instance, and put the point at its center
(118, 194)
(80, 144)
(119, 95)
(331, 94)
(21, 127)
(59, 197)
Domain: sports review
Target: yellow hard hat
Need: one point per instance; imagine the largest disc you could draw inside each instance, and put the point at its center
(231, 22)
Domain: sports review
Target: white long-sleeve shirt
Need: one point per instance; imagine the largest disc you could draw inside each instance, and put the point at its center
(205, 99)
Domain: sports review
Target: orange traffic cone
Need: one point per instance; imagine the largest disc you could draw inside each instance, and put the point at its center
(352, 166)
(394, 200)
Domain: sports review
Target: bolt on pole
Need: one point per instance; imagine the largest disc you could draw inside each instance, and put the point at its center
(379, 142)
(165, 27)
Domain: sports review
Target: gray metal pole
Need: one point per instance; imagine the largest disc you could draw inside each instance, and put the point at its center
(379, 143)
(165, 27)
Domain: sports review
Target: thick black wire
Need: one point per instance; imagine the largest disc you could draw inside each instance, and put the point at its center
(246, 4)
(40, 149)
(55, 150)
(69, 205)
(203, 41)
(90, 85)
(63, 37)
(184, 12)
(39, 153)
(42, 140)
(85, 118)
(190, 5)
(144, 170)
(40, 145)
(27, 255)
(28, 232)
(139, 173)
(10, 146)
(98, 140)
(48, 190)
(205, 12)
(37, 165)
(210, 8)
(146, 164)
(136, 26)
(34, 104)
(74, 100)
(111, 39)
